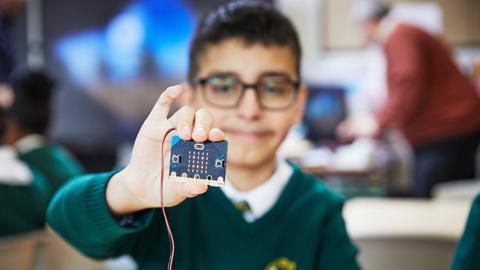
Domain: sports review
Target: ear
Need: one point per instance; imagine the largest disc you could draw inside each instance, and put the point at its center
(187, 97)
(300, 104)
(12, 131)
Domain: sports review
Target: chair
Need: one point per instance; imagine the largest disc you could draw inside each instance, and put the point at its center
(61, 256)
(400, 253)
(21, 252)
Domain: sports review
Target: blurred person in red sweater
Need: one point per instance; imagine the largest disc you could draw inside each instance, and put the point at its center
(430, 102)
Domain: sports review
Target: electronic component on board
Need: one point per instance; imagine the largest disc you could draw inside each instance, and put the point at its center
(193, 162)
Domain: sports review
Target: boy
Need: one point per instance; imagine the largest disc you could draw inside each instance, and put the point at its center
(244, 73)
(26, 127)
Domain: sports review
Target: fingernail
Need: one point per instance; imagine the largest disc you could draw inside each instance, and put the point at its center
(201, 131)
(215, 131)
(186, 130)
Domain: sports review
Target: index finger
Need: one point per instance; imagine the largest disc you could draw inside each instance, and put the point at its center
(164, 103)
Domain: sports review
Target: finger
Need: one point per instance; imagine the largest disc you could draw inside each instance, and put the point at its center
(164, 103)
(191, 190)
(180, 191)
(165, 170)
(203, 124)
(215, 135)
(183, 119)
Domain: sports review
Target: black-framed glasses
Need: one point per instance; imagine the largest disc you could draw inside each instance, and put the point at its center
(274, 92)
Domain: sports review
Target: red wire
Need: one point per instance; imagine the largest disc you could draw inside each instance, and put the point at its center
(169, 230)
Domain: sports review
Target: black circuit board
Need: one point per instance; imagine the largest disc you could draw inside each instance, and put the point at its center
(195, 162)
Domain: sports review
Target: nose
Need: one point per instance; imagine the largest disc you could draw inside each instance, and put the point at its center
(249, 106)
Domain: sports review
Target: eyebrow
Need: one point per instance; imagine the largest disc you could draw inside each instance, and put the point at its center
(222, 74)
(274, 73)
(261, 75)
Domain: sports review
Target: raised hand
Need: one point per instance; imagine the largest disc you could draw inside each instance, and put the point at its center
(137, 187)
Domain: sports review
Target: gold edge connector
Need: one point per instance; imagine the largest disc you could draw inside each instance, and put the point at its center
(215, 183)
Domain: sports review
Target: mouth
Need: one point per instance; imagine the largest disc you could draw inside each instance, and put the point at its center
(252, 136)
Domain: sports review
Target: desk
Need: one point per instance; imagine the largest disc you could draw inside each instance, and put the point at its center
(367, 217)
(398, 234)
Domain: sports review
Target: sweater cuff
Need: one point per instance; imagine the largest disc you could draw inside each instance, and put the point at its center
(100, 214)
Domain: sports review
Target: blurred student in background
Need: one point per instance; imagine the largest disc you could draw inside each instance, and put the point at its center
(430, 101)
(23, 193)
(27, 122)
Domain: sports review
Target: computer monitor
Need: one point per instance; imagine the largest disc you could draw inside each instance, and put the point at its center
(326, 108)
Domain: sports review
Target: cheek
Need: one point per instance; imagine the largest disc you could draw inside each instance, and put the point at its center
(281, 122)
(220, 118)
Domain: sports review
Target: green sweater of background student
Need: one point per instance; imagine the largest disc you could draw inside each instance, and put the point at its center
(23, 207)
(467, 256)
(56, 164)
(304, 229)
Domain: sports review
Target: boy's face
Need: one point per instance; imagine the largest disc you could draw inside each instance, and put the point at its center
(254, 133)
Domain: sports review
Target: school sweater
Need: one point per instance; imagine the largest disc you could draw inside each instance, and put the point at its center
(53, 161)
(23, 195)
(23, 206)
(303, 230)
(467, 255)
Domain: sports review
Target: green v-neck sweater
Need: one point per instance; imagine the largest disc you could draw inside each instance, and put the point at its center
(467, 255)
(54, 162)
(23, 207)
(303, 230)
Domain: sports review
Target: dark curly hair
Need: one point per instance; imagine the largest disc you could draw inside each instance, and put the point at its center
(252, 22)
(31, 108)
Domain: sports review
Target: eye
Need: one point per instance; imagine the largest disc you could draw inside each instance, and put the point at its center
(222, 88)
(222, 85)
(275, 88)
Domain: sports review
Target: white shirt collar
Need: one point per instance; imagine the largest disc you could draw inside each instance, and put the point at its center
(262, 198)
(12, 170)
(30, 142)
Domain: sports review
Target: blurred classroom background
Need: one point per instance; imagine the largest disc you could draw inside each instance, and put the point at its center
(112, 58)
